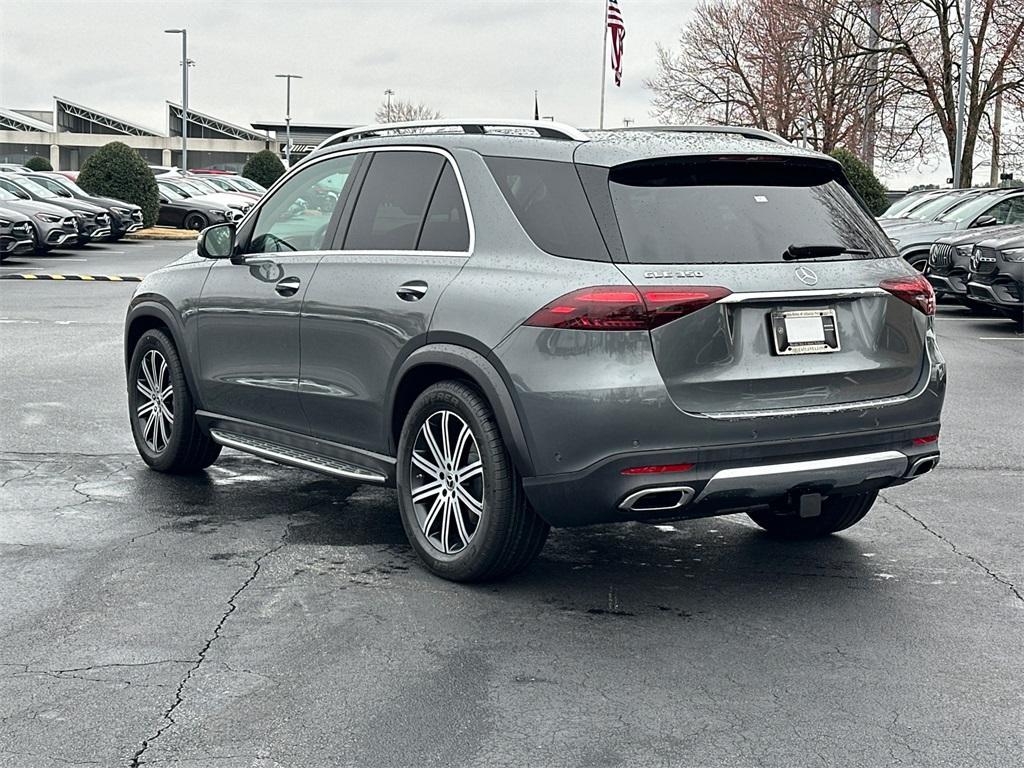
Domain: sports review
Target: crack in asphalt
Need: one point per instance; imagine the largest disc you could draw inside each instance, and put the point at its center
(168, 716)
(966, 555)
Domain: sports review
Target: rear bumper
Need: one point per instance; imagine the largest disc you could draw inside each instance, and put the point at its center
(730, 478)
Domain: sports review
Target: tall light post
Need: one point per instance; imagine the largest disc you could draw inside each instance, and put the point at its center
(288, 116)
(184, 94)
(961, 96)
(389, 93)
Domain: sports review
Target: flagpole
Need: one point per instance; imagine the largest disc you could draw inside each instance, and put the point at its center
(604, 62)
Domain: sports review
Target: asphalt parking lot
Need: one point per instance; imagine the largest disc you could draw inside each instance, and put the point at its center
(262, 616)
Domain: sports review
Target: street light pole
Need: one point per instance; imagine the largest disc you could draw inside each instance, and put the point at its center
(288, 116)
(184, 94)
(389, 93)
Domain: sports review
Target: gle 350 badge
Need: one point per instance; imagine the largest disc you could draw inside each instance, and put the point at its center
(673, 274)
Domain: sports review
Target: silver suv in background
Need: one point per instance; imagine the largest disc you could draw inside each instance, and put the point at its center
(522, 325)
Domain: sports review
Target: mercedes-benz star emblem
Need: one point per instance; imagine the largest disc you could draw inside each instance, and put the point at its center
(806, 276)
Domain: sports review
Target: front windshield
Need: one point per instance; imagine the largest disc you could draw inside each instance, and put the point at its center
(36, 188)
(933, 208)
(69, 185)
(203, 185)
(252, 186)
(968, 209)
(193, 188)
(902, 206)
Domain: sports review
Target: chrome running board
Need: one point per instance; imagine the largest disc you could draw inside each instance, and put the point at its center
(295, 457)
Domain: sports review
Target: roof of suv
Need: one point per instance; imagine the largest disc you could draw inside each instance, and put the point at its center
(604, 148)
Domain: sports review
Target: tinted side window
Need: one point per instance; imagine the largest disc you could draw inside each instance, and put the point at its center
(393, 201)
(445, 228)
(1010, 211)
(296, 217)
(548, 199)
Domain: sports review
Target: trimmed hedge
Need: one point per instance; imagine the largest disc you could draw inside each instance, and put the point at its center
(38, 163)
(116, 170)
(264, 168)
(863, 180)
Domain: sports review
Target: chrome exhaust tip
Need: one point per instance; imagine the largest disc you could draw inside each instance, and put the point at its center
(663, 499)
(922, 466)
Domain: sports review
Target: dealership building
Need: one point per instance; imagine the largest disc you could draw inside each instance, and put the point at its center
(70, 132)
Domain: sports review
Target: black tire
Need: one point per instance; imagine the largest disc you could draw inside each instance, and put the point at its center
(837, 514)
(196, 221)
(187, 448)
(508, 534)
(978, 307)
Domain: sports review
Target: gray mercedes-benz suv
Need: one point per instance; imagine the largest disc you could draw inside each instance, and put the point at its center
(522, 325)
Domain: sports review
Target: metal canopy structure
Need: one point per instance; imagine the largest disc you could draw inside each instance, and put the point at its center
(11, 120)
(76, 118)
(201, 126)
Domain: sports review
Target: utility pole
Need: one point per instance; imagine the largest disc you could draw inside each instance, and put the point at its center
(389, 93)
(728, 98)
(960, 112)
(604, 64)
(997, 130)
(184, 94)
(867, 139)
(288, 116)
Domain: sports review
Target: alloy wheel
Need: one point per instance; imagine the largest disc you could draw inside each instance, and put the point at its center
(154, 400)
(447, 482)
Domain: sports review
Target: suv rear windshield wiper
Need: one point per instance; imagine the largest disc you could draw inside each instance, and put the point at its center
(804, 251)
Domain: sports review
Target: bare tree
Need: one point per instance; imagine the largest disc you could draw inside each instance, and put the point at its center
(401, 111)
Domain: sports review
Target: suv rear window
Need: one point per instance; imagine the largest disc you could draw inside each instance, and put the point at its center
(682, 212)
(548, 200)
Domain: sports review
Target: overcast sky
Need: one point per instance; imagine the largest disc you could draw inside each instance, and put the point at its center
(462, 57)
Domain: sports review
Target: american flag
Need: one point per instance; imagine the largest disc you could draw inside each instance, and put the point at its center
(618, 29)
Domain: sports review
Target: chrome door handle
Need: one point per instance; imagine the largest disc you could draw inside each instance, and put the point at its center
(288, 286)
(414, 290)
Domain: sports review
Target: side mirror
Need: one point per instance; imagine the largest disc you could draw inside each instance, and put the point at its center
(164, 199)
(64, 193)
(985, 221)
(217, 242)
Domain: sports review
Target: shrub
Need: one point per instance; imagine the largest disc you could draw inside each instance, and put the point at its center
(264, 168)
(863, 180)
(116, 170)
(38, 163)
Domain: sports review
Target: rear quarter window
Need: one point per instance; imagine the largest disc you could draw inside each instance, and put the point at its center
(548, 200)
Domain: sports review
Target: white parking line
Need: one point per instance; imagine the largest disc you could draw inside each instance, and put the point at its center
(1001, 338)
(55, 258)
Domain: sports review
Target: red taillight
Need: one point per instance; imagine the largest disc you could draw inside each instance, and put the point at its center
(915, 290)
(656, 469)
(619, 308)
(926, 440)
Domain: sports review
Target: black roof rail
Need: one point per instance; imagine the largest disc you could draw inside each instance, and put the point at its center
(544, 129)
(747, 133)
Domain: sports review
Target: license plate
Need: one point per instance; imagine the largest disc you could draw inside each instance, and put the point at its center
(805, 332)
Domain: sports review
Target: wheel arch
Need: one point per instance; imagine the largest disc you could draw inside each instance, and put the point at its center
(151, 314)
(439, 362)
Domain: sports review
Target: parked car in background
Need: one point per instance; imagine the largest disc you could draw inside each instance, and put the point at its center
(949, 262)
(928, 208)
(165, 170)
(124, 217)
(17, 237)
(186, 188)
(14, 168)
(997, 274)
(989, 208)
(236, 184)
(54, 226)
(93, 221)
(908, 202)
(567, 329)
(208, 183)
(176, 210)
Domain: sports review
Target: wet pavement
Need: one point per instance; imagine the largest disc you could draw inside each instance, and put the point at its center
(260, 616)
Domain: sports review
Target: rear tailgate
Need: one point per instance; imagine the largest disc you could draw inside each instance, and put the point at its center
(779, 331)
